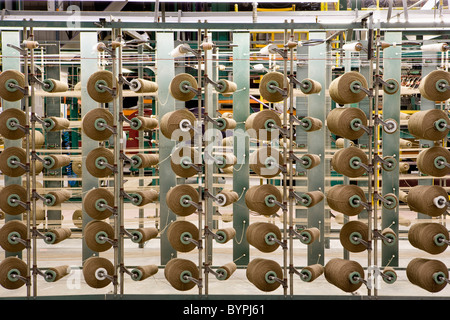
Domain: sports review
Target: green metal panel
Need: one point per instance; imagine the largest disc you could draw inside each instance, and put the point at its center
(391, 143)
(88, 41)
(241, 111)
(317, 106)
(11, 61)
(165, 104)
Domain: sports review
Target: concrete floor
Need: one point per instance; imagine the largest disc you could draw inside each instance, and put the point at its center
(69, 253)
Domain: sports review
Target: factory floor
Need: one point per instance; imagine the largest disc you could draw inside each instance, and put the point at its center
(69, 252)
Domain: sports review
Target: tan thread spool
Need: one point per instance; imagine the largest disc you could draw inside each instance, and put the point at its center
(53, 85)
(39, 140)
(227, 197)
(11, 77)
(344, 122)
(92, 201)
(309, 161)
(141, 123)
(145, 197)
(55, 236)
(189, 154)
(403, 167)
(225, 160)
(312, 198)
(266, 162)
(102, 77)
(352, 229)
(93, 124)
(55, 198)
(175, 271)
(310, 124)
(404, 143)
(16, 266)
(93, 231)
(309, 235)
(259, 125)
(90, 272)
(144, 160)
(7, 167)
(56, 161)
(77, 218)
(260, 272)
(142, 235)
(143, 272)
(260, 234)
(404, 116)
(226, 124)
(423, 199)
(341, 90)
(170, 124)
(425, 236)
(13, 228)
(343, 198)
(77, 167)
(226, 270)
(177, 87)
(424, 273)
(9, 119)
(342, 162)
(340, 143)
(54, 274)
(429, 124)
(177, 231)
(272, 78)
(176, 197)
(344, 273)
(10, 193)
(226, 234)
(30, 44)
(310, 86)
(312, 272)
(429, 86)
(143, 86)
(94, 165)
(56, 124)
(257, 199)
(390, 272)
(427, 161)
(228, 87)
(227, 216)
(390, 234)
(403, 196)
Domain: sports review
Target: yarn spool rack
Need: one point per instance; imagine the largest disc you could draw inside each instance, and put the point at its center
(292, 197)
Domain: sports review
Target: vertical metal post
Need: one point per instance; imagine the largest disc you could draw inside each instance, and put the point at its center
(209, 140)
(118, 151)
(199, 144)
(391, 142)
(241, 111)
(31, 225)
(317, 106)
(33, 162)
(88, 41)
(165, 104)
(285, 161)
